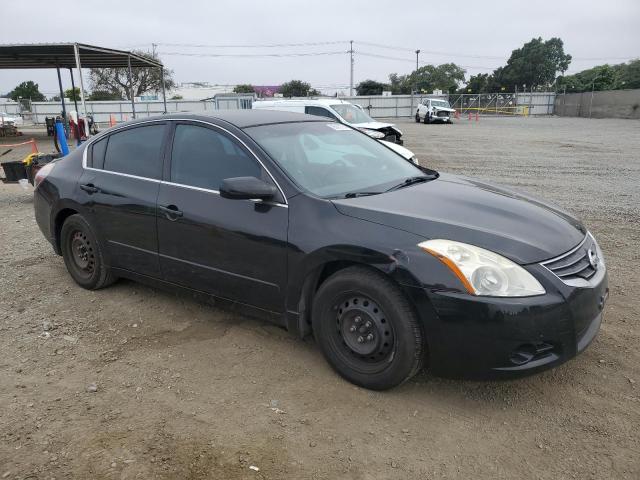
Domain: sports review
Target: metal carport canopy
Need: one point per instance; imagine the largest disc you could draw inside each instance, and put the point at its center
(62, 55)
(75, 55)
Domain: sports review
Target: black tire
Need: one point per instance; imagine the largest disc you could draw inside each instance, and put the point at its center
(417, 117)
(356, 297)
(427, 118)
(82, 254)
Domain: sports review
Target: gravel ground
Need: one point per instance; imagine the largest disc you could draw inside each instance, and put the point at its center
(132, 382)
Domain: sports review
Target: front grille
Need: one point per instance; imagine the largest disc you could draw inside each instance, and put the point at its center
(577, 263)
(443, 114)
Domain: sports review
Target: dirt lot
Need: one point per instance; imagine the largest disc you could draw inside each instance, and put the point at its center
(187, 391)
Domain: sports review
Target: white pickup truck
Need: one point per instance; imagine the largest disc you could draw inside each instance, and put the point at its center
(432, 110)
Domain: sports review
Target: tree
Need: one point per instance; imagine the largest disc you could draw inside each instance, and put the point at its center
(144, 79)
(477, 84)
(535, 64)
(243, 88)
(446, 77)
(72, 94)
(371, 87)
(29, 90)
(177, 97)
(297, 88)
(630, 74)
(101, 95)
(602, 77)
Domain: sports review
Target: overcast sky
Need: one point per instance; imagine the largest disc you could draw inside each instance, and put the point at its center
(477, 35)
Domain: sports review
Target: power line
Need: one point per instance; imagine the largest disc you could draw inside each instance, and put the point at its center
(264, 45)
(253, 55)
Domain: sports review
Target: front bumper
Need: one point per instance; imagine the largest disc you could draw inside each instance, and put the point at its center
(490, 337)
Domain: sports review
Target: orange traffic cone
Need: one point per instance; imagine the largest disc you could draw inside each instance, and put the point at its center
(112, 120)
(34, 146)
(477, 116)
(457, 115)
(469, 116)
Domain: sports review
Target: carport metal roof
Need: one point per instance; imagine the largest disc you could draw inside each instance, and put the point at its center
(63, 55)
(75, 55)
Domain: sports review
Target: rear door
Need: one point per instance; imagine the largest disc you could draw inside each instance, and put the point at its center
(120, 186)
(235, 249)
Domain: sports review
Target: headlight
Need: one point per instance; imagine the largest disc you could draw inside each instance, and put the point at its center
(372, 133)
(483, 272)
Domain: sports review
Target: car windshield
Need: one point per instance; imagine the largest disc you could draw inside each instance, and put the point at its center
(440, 103)
(351, 114)
(331, 159)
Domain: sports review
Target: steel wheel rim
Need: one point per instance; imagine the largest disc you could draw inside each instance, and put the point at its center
(362, 336)
(82, 253)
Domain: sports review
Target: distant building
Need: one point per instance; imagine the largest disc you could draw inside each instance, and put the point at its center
(266, 91)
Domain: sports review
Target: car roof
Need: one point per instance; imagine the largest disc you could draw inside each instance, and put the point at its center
(241, 118)
(302, 101)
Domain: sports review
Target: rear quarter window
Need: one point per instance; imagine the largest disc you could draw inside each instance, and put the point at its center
(98, 150)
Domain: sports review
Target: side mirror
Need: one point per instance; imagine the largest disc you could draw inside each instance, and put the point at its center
(246, 188)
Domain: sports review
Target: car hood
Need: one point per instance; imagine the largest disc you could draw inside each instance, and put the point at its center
(517, 226)
(444, 109)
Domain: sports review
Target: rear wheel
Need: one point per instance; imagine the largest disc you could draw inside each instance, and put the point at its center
(367, 329)
(82, 254)
(417, 117)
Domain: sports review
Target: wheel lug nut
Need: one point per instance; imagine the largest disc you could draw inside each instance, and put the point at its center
(353, 328)
(369, 337)
(368, 324)
(360, 339)
(358, 319)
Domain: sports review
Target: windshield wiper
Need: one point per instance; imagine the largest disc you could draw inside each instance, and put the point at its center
(412, 181)
(360, 194)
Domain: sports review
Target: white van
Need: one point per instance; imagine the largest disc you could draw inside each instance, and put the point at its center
(343, 112)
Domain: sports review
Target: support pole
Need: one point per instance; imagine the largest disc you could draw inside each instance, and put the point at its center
(417, 54)
(84, 105)
(351, 71)
(64, 108)
(164, 89)
(73, 89)
(133, 105)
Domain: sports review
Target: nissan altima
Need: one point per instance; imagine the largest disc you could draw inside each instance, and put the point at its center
(315, 226)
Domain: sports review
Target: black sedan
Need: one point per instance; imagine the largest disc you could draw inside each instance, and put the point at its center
(327, 232)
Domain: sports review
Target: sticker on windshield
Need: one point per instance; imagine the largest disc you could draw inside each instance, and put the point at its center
(338, 126)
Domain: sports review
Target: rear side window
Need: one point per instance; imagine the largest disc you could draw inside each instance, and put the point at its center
(319, 111)
(97, 153)
(203, 158)
(136, 151)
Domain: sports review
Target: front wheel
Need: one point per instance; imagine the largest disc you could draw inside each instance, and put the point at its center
(427, 118)
(367, 329)
(82, 254)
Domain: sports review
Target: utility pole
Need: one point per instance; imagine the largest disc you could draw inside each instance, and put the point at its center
(351, 77)
(153, 49)
(417, 54)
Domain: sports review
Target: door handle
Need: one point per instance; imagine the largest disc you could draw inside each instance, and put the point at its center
(170, 211)
(89, 188)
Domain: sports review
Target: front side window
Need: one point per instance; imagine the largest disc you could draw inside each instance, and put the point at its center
(202, 157)
(319, 111)
(332, 159)
(351, 114)
(136, 151)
